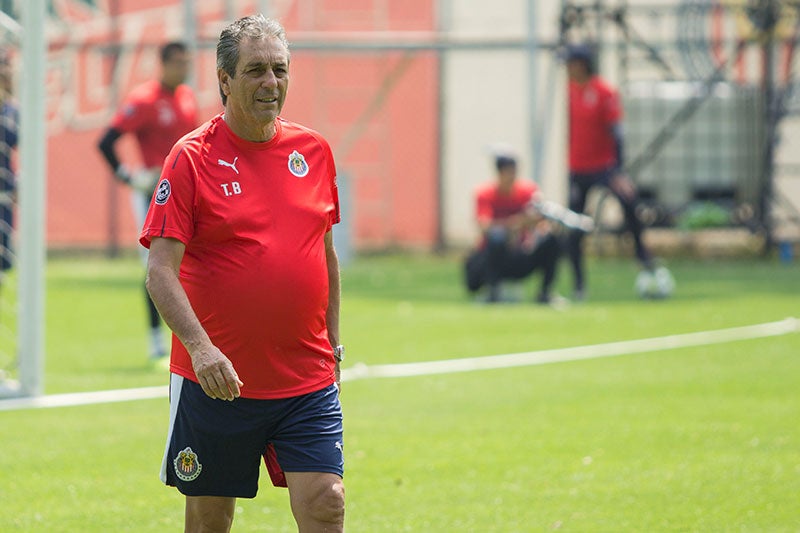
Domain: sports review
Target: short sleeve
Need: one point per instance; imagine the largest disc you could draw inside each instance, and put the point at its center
(484, 211)
(172, 207)
(132, 116)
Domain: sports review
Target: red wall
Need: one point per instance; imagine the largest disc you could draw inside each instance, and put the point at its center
(387, 155)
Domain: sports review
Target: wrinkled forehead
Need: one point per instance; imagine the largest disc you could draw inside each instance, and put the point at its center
(263, 51)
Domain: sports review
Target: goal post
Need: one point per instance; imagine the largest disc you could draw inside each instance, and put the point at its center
(33, 164)
(31, 205)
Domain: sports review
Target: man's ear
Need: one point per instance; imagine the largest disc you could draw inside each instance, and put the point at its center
(224, 81)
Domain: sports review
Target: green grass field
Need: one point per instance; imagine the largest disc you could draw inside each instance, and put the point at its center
(692, 439)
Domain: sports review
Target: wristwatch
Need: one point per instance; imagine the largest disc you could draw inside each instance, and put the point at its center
(338, 353)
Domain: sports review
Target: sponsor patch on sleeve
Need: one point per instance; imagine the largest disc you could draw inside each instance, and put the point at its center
(163, 191)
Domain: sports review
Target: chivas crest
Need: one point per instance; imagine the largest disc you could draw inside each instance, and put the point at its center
(297, 164)
(187, 467)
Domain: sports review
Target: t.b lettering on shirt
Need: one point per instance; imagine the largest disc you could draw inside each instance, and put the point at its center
(231, 188)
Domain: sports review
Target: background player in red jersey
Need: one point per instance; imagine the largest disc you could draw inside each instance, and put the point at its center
(243, 269)
(596, 150)
(515, 239)
(157, 113)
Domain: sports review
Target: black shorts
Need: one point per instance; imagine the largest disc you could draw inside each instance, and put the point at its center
(215, 447)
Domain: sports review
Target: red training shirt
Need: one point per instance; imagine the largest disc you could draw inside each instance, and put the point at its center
(493, 206)
(158, 117)
(594, 108)
(253, 217)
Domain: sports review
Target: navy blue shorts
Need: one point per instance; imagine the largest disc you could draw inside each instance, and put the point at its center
(215, 447)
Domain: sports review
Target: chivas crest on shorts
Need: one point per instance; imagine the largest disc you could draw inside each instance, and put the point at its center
(297, 164)
(187, 467)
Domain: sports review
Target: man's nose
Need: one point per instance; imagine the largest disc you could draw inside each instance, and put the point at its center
(269, 79)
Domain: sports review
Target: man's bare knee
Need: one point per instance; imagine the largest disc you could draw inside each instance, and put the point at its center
(328, 506)
(319, 506)
(208, 514)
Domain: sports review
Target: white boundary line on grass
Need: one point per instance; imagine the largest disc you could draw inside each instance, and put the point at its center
(450, 366)
(611, 349)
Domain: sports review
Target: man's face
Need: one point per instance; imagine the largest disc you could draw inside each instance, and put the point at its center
(506, 177)
(176, 69)
(257, 91)
(577, 70)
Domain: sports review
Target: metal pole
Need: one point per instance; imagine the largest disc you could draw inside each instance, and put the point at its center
(190, 31)
(533, 93)
(768, 165)
(112, 249)
(33, 157)
(443, 18)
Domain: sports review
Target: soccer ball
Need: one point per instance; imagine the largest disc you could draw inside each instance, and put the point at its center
(656, 284)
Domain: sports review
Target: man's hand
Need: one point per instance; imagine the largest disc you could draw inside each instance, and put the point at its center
(144, 180)
(542, 227)
(215, 373)
(123, 174)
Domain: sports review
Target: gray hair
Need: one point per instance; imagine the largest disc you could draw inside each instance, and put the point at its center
(253, 27)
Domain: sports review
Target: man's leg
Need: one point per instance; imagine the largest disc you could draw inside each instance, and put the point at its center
(475, 270)
(497, 257)
(317, 501)
(578, 189)
(157, 347)
(625, 191)
(545, 256)
(209, 514)
(203, 461)
(521, 264)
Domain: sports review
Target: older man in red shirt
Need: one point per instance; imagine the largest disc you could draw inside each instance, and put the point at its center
(243, 269)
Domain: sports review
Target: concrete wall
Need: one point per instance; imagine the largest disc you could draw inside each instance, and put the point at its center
(489, 100)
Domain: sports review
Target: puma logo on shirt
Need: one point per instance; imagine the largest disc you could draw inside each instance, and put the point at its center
(224, 163)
